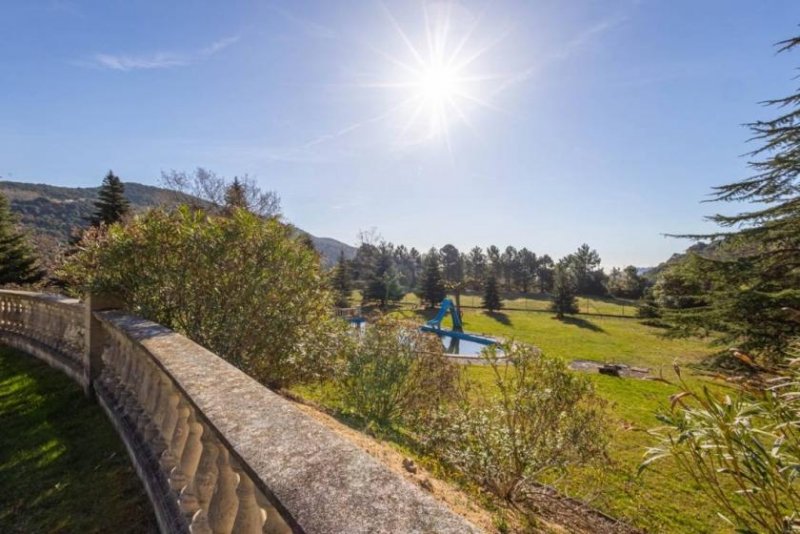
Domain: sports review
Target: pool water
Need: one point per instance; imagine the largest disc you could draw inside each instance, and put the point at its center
(461, 347)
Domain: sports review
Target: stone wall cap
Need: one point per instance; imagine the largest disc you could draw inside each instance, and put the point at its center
(324, 482)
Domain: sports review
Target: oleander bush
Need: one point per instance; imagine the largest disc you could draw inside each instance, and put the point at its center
(741, 448)
(393, 374)
(534, 420)
(240, 285)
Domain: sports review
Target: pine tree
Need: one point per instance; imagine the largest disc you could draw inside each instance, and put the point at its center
(383, 280)
(111, 204)
(564, 290)
(432, 290)
(18, 264)
(752, 278)
(235, 197)
(342, 283)
(491, 295)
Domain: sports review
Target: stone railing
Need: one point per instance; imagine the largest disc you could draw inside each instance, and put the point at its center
(49, 327)
(216, 451)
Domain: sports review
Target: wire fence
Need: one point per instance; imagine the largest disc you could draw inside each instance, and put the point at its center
(602, 307)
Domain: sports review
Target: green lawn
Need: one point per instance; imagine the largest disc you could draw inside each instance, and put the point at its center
(537, 302)
(662, 500)
(62, 466)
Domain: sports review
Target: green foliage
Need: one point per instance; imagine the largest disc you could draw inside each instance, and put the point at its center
(242, 286)
(382, 281)
(585, 266)
(742, 451)
(626, 283)
(432, 290)
(536, 419)
(62, 465)
(341, 282)
(755, 274)
(18, 264)
(563, 299)
(111, 204)
(491, 295)
(394, 373)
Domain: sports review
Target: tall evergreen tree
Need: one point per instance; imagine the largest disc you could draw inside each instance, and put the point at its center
(544, 273)
(18, 264)
(491, 294)
(564, 290)
(383, 280)
(585, 263)
(342, 282)
(476, 271)
(432, 290)
(754, 274)
(453, 271)
(111, 204)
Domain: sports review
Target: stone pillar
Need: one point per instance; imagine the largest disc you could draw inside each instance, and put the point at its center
(95, 338)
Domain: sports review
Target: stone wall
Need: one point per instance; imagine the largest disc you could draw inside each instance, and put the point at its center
(216, 451)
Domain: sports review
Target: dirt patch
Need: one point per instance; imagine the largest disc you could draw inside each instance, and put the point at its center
(612, 369)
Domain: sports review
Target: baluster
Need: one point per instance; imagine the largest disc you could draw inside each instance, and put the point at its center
(190, 462)
(171, 457)
(144, 392)
(275, 523)
(250, 517)
(168, 421)
(134, 375)
(154, 405)
(204, 482)
(224, 503)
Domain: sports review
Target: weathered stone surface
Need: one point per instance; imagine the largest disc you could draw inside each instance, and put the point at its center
(322, 482)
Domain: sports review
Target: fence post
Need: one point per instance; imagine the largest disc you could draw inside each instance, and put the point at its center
(94, 337)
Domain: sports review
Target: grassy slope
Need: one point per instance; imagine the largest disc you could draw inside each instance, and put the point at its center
(62, 466)
(662, 500)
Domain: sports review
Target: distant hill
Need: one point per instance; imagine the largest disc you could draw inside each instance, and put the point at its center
(701, 248)
(51, 212)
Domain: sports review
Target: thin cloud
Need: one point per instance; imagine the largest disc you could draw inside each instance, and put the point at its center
(309, 27)
(579, 41)
(158, 60)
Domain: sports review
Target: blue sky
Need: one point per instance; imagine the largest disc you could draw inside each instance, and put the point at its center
(604, 122)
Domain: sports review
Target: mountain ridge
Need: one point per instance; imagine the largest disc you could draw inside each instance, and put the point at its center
(51, 212)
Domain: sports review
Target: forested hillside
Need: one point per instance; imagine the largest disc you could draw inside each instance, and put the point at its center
(51, 212)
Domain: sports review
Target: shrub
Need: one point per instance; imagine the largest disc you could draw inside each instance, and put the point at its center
(241, 286)
(743, 451)
(539, 419)
(395, 373)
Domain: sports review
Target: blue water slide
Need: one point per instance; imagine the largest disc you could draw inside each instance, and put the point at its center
(446, 306)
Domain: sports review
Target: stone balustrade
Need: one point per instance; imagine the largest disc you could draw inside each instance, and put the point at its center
(216, 451)
(49, 327)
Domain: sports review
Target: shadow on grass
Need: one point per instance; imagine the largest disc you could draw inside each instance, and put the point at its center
(500, 317)
(68, 470)
(580, 323)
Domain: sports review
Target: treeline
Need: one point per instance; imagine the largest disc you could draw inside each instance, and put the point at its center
(385, 272)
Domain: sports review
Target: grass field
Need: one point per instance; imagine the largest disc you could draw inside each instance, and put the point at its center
(62, 466)
(538, 302)
(659, 501)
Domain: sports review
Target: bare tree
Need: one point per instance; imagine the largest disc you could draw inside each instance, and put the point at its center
(205, 189)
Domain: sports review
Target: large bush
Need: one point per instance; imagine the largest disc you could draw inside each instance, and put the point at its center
(241, 286)
(395, 373)
(535, 419)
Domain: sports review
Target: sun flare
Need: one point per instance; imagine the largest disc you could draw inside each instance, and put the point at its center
(436, 80)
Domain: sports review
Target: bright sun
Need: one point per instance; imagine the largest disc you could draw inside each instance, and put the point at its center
(436, 81)
(438, 85)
